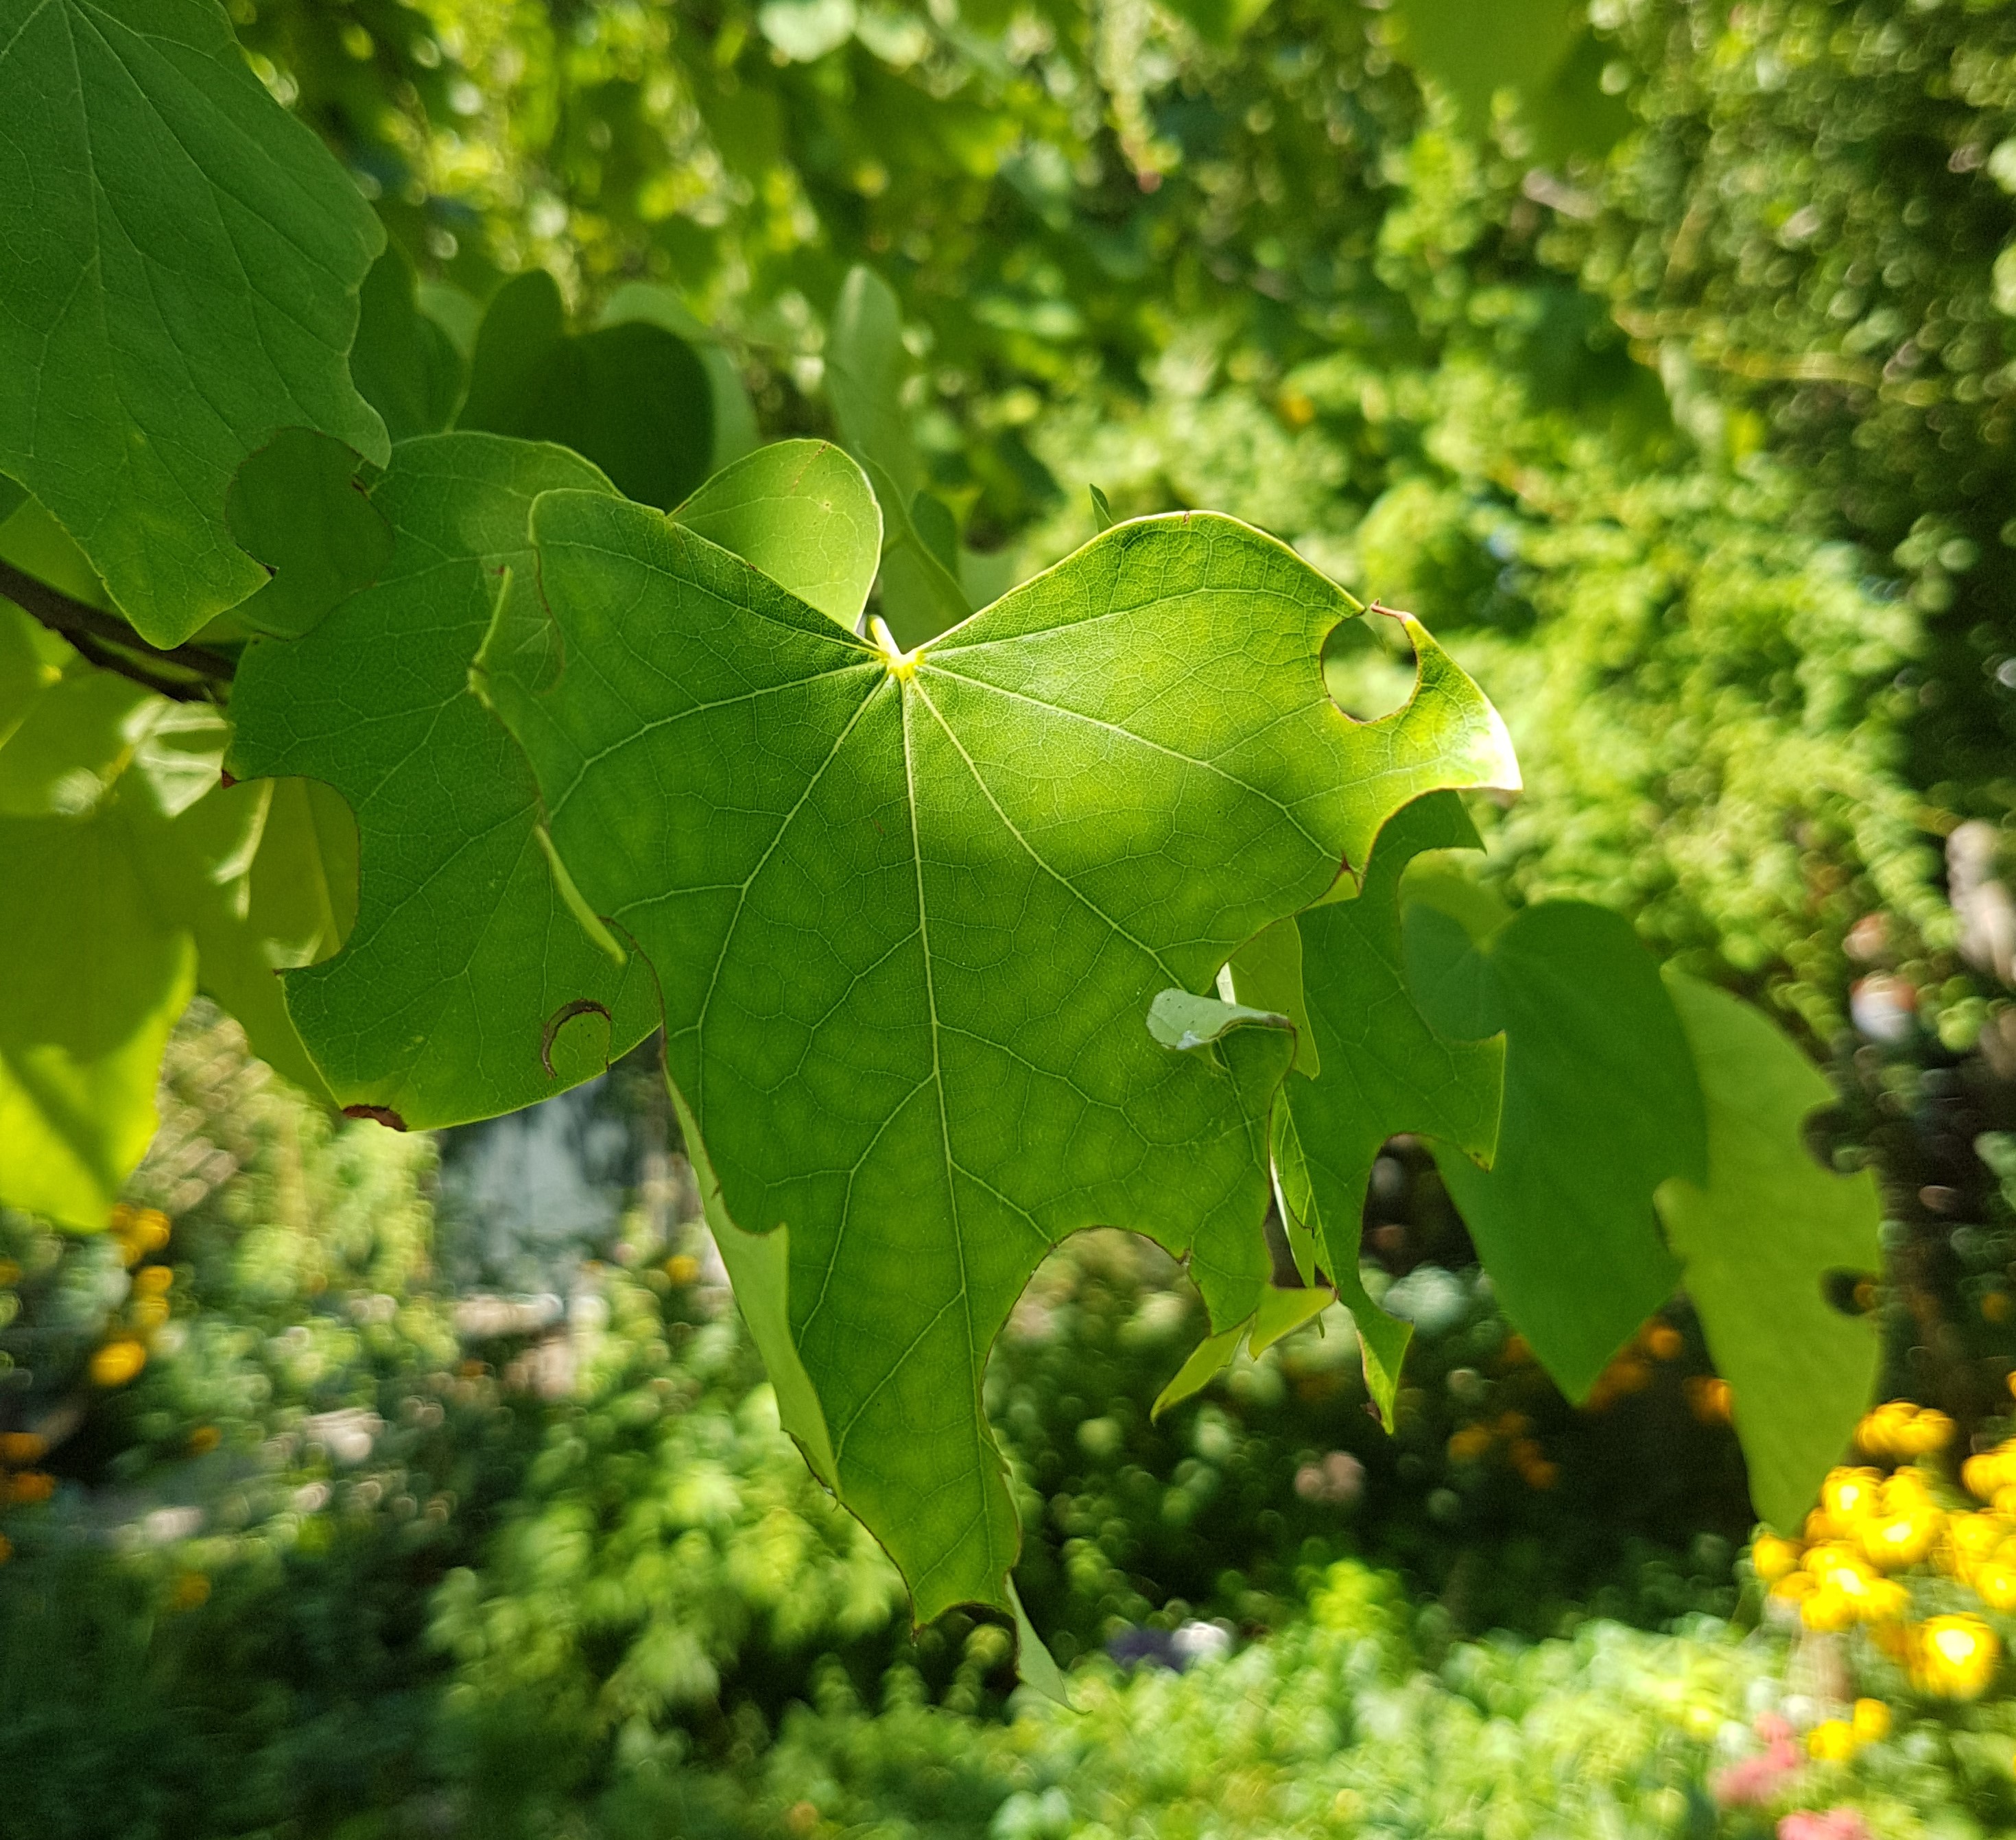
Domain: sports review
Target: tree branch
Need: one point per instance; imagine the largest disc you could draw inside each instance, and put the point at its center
(95, 635)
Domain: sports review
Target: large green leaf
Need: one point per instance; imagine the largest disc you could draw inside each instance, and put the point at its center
(1758, 1242)
(180, 261)
(466, 952)
(908, 914)
(632, 397)
(1381, 1069)
(1601, 1105)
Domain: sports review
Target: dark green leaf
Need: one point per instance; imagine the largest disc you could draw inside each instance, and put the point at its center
(296, 505)
(464, 949)
(405, 363)
(180, 261)
(633, 398)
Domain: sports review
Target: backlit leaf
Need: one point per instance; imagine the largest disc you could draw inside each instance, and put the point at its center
(908, 913)
(1758, 1240)
(802, 513)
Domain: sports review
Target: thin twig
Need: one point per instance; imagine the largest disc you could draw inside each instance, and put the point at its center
(96, 635)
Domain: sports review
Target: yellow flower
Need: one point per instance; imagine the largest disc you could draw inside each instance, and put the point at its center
(1995, 1584)
(205, 1438)
(682, 1267)
(29, 1485)
(1878, 1432)
(1929, 1431)
(1828, 1607)
(1832, 1740)
(1469, 1443)
(1773, 1558)
(152, 1280)
(1871, 1721)
(22, 1447)
(1905, 1489)
(1873, 1599)
(1981, 1476)
(1795, 1587)
(1974, 1537)
(117, 1362)
(1833, 1555)
(1896, 1540)
(1956, 1657)
(1848, 1494)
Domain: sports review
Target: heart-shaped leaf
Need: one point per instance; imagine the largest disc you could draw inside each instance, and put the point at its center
(908, 912)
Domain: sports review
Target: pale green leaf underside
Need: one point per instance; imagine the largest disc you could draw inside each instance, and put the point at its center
(180, 261)
(80, 1040)
(463, 951)
(164, 873)
(908, 916)
(1757, 1243)
(803, 513)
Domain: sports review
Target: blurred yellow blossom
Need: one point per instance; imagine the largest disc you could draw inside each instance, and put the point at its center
(1995, 1584)
(19, 1448)
(1848, 1493)
(117, 1362)
(1956, 1657)
(1832, 1740)
(1871, 1721)
(1894, 1541)
(1773, 1558)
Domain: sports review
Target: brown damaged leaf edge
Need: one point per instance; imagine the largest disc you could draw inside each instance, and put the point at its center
(378, 1115)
